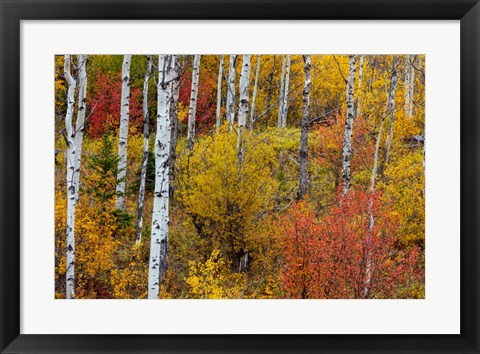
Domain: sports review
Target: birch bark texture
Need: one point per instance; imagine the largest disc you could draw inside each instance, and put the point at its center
(192, 110)
(123, 132)
(286, 92)
(219, 95)
(80, 123)
(281, 93)
(160, 214)
(254, 96)
(243, 91)
(391, 108)
(303, 185)
(146, 135)
(231, 91)
(243, 106)
(348, 131)
(71, 188)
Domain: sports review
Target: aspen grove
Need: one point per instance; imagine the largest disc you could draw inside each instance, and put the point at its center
(240, 176)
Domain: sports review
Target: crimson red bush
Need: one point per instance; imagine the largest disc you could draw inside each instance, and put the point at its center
(329, 258)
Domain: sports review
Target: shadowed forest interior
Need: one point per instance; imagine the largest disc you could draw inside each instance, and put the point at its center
(239, 176)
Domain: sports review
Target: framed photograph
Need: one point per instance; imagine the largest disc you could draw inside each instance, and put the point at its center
(236, 176)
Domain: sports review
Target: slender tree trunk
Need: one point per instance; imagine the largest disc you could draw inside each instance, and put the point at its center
(160, 214)
(375, 162)
(123, 132)
(286, 92)
(231, 91)
(243, 106)
(71, 188)
(192, 111)
(219, 93)
(146, 134)
(281, 93)
(80, 123)
(303, 185)
(407, 85)
(254, 97)
(391, 108)
(412, 86)
(270, 90)
(368, 261)
(174, 131)
(347, 136)
(359, 90)
(375, 158)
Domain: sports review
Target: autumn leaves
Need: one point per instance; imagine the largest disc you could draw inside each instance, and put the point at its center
(259, 176)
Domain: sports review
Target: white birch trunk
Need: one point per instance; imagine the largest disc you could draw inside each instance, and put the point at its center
(286, 92)
(407, 85)
(243, 91)
(146, 134)
(391, 113)
(368, 261)
(80, 123)
(303, 185)
(391, 108)
(71, 188)
(243, 106)
(375, 162)
(123, 132)
(412, 87)
(280, 94)
(359, 87)
(254, 97)
(192, 110)
(347, 136)
(219, 93)
(160, 215)
(231, 92)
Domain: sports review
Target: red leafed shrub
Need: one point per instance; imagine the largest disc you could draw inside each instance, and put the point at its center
(206, 99)
(328, 143)
(329, 258)
(104, 101)
(302, 249)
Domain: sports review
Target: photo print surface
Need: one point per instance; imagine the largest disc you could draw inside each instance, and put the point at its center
(240, 176)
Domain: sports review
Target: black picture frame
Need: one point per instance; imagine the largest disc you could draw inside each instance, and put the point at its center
(13, 11)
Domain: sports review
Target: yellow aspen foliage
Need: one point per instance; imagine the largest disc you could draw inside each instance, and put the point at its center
(265, 267)
(106, 265)
(213, 280)
(95, 246)
(404, 186)
(223, 197)
(328, 85)
(225, 205)
(130, 282)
